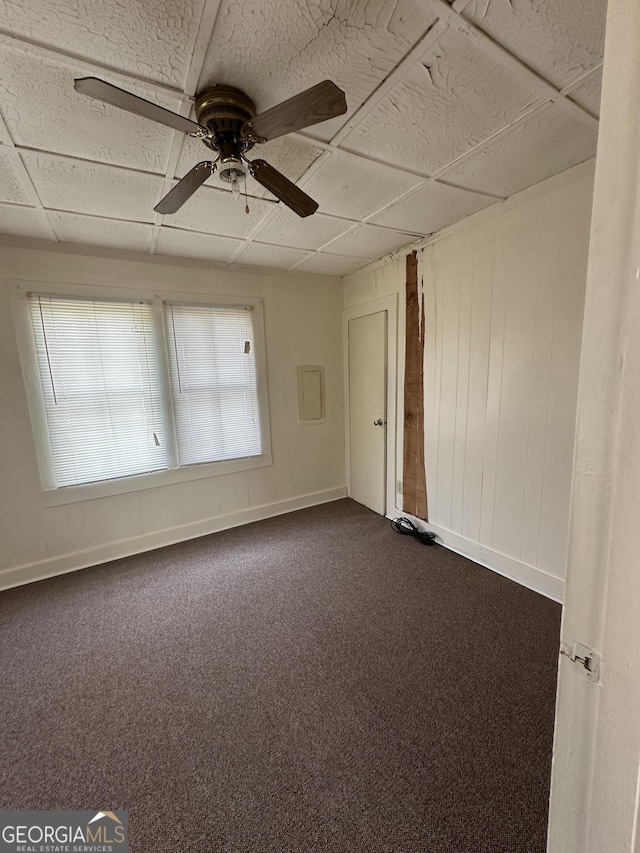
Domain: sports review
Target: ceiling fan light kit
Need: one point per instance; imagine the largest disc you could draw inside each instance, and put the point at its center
(228, 125)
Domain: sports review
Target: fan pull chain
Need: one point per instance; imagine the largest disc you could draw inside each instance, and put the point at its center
(246, 203)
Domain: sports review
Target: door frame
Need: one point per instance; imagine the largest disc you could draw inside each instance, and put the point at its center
(388, 304)
(595, 786)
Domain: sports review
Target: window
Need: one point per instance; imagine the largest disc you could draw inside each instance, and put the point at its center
(100, 387)
(135, 387)
(213, 382)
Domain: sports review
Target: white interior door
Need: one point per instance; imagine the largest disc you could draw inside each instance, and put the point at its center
(367, 410)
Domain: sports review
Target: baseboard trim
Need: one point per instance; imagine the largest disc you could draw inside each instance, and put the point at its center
(28, 573)
(529, 576)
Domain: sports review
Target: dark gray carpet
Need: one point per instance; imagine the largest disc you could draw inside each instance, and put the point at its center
(310, 682)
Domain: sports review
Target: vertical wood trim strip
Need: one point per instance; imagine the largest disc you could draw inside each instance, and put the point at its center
(414, 496)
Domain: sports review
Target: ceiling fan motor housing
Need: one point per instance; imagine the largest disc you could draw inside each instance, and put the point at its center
(224, 110)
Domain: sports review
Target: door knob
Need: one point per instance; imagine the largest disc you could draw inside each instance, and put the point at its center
(379, 422)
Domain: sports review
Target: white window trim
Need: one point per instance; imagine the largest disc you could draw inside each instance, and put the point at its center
(58, 496)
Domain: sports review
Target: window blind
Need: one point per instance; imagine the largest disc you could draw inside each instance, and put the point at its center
(101, 387)
(213, 379)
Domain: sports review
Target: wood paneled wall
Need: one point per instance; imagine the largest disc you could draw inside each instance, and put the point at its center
(504, 304)
(503, 295)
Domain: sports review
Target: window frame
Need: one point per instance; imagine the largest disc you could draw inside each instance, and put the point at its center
(59, 495)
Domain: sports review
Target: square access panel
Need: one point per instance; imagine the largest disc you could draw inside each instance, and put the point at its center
(311, 395)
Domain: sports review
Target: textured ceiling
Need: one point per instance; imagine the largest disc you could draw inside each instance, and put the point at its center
(452, 106)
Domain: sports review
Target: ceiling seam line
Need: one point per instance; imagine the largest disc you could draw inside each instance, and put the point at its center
(56, 55)
(153, 238)
(22, 205)
(465, 27)
(577, 81)
(352, 223)
(477, 149)
(293, 267)
(402, 197)
(453, 186)
(311, 169)
(326, 146)
(100, 216)
(275, 204)
(42, 213)
(367, 220)
(340, 236)
(56, 155)
(172, 163)
(6, 133)
(148, 225)
(311, 252)
(427, 179)
(201, 46)
(423, 176)
(258, 243)
(14, 150)
(6, 140)
(434, 236)
(248, 240)
(397, 74)
(176, 260)
(27, 182)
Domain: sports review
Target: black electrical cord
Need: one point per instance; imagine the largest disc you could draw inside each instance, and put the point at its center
(408, 528)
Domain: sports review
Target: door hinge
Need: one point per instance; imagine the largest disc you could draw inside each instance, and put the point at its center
(584, 656)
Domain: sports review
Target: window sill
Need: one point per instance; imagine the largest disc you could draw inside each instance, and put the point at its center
(153, 480)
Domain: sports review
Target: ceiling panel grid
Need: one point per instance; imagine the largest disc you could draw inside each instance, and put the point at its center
(450, 108)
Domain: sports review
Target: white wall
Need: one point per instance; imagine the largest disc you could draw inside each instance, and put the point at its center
(302, 326)
(504, 294)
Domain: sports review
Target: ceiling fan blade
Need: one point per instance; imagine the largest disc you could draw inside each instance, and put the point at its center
(282, 188)
(185, 188)
(320, 102)
(109, 94)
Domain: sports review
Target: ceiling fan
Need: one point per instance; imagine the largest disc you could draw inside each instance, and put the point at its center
(228, 125)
